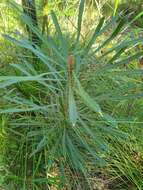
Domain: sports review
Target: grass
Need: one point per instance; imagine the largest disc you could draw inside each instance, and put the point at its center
(73, 113)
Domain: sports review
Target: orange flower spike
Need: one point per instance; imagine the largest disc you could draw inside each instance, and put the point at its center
(71, 63)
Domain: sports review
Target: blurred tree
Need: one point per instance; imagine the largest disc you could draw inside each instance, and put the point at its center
(29, 9)
(45, 17)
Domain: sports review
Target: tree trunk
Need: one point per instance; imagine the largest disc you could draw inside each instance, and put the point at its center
(45, 24)
(29, 9)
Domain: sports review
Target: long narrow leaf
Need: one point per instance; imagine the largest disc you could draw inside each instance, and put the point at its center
(113, 35)
(72, 108)
(60, 35)
(92, 104)
(80, 17)
(116, 6)
(95, 35)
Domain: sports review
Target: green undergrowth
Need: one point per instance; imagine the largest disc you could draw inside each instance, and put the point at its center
(71, 108)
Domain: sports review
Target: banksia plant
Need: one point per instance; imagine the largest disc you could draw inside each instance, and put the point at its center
(65, 112)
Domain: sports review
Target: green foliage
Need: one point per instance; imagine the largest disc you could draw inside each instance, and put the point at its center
(116, 6)
(66, 108)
